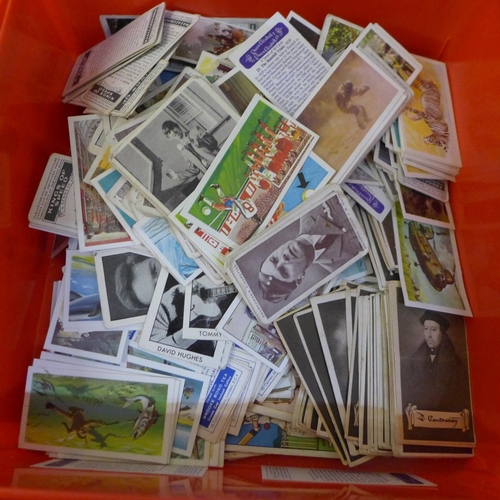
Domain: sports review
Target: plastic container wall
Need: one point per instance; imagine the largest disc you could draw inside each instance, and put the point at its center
(39, 42)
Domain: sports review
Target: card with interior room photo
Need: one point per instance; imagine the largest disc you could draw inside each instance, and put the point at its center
(251, 174)
(429, 266)
(127, 280)
(162, 331)
(298, 254)
(205, 304)
(431, 376)
(166, 156)
(102, 414)
(349, 109)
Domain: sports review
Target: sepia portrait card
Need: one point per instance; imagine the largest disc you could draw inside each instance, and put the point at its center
(205, 304)
(112, 415)
(349, 109)
(433, 401)
(127, 279)
(162, 331)
(262, 341)
(98, 228)
(166, 156)
(429, 266)
(245, 184)
(298, 254)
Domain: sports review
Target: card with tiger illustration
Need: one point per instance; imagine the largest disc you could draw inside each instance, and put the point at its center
(427, 125)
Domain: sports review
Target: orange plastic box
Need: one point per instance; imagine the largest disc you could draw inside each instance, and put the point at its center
(39, 42)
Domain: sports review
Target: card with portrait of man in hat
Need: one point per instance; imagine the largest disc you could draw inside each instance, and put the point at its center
(289, 260)
(433, 397)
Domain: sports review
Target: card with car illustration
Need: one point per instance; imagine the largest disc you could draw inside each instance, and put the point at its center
(429, 266)
(431, 376)
(96, 413)
(298, 254)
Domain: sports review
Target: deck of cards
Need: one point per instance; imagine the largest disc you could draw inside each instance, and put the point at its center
(263, 256)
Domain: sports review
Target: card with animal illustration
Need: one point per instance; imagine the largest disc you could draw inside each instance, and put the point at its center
(427, 125)
(96, 413)
(349, 108)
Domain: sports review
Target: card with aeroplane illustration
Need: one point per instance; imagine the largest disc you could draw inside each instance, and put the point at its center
(92, 413)
(205, 304)
(251, 174)
(429, 266)
(82, 302)
(100, 345)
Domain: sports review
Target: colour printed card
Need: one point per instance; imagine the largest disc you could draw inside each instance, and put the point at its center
(231, 201)
(103, 414)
